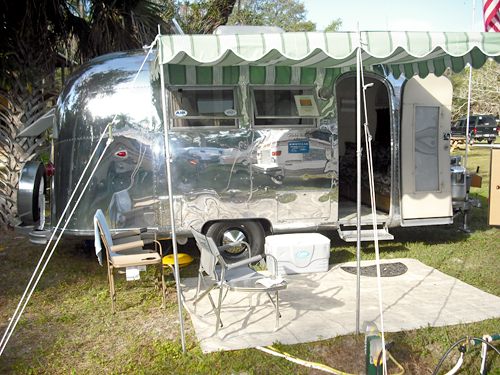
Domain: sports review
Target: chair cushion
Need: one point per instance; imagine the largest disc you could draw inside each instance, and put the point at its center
(241, 273)
(120, 261)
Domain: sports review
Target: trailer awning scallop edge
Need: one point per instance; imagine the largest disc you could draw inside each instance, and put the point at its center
(400, 52)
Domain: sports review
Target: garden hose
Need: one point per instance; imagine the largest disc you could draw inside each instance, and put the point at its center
(463, 349)
(315, 365)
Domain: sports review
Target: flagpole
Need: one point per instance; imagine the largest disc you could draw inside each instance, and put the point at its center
(473, 13)
(467, 138)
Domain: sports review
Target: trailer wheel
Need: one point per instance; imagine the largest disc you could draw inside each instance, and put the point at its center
(30, 194)
(224, 232)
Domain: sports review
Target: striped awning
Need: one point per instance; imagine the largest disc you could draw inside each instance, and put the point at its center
(407, 53)
(176, 74)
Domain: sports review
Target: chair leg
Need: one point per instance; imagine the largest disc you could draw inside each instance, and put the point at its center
(206, 293)
(278, 315)
(163, 287)
(198, 287)
(218, 322)
(112, 287)
(276, 306)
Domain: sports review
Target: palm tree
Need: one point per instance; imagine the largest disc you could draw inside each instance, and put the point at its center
(27, 60)
(203, 17)
(106, 26)
(35, 34)
(38, 32)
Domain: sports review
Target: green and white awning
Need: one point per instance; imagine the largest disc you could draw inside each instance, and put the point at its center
(407, 53)
(176, 74)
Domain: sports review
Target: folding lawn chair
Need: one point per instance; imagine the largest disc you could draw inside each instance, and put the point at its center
(125, 249)
(237, 277)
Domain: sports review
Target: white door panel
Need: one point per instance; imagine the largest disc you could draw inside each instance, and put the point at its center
(425, 155)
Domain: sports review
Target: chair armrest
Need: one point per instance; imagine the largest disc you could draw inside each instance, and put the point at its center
(275, 266)
(129, 245)
(245, 262)
(234, 244)
(128, 233)
(229, 246)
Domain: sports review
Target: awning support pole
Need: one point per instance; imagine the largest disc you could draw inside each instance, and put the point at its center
(358, 197)
(171, 203)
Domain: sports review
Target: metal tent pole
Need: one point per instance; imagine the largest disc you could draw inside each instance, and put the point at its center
(171, 203)
(358, 197)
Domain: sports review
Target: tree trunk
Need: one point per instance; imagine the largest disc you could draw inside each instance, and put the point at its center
(20, 105)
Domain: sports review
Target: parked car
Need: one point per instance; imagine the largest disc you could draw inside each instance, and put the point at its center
(481, 127)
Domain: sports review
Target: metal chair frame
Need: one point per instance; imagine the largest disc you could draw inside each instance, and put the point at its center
(231, 277)
(129, 252)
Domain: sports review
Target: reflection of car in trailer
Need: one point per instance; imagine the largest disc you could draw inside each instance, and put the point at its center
(283, 154)
(235, 155)
(207, 154)
(288, 103)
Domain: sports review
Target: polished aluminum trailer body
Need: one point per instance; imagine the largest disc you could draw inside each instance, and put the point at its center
(285, 172)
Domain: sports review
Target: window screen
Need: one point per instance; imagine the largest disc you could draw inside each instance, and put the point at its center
(426, 148)
(192, 107)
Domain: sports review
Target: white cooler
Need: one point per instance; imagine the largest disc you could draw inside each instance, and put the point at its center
(298, 252)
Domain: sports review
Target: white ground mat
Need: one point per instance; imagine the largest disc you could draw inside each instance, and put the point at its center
(323, 305)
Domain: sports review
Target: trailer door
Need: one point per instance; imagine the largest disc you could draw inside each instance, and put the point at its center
(425, 156)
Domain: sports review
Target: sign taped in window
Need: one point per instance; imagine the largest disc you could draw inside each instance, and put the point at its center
(306, 105)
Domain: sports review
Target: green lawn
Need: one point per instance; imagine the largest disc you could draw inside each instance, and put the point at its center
(68, 328)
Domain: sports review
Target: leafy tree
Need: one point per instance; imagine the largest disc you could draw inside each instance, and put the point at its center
(103, 26)
(203, 17)
(335, 25)
(28, 57)
(36, 34)
(485, 91)
(291, 15)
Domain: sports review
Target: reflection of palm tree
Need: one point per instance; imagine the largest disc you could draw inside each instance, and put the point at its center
(97, 84)
(123, 119)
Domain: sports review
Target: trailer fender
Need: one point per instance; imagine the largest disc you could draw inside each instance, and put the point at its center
(30, 193)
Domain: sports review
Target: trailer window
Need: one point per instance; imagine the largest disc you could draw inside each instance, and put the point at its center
(284, 106)
(195, 107)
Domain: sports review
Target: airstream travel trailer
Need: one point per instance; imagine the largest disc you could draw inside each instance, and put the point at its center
(262, 133)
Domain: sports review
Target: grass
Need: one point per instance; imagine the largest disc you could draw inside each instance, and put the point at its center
(68, 328)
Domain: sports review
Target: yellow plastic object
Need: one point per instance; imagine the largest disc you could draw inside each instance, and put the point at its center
(184, 259)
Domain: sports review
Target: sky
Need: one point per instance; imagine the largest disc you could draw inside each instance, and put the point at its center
(397, 15)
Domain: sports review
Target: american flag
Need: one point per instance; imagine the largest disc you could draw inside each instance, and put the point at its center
(491, 15)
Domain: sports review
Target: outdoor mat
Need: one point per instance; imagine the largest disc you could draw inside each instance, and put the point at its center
(317, 306)
(386, 270)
